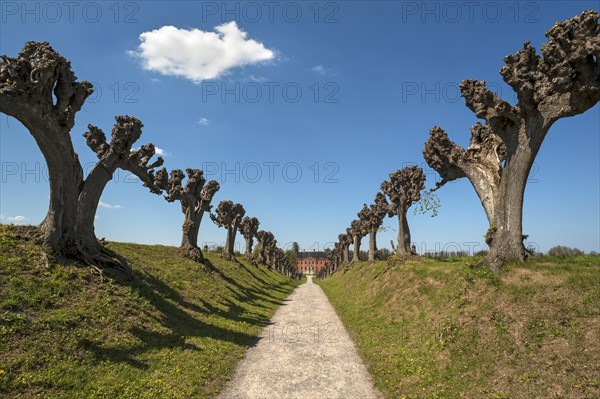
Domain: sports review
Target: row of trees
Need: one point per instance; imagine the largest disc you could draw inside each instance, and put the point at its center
(564, 81)
(39, 89)
(403, 189)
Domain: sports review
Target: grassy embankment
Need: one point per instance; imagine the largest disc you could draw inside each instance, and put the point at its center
(441, 329)
(65, 332)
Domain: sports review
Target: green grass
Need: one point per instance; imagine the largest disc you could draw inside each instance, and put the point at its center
(442, 329)
(66, 332)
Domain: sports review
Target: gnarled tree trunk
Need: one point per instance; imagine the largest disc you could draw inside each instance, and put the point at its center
(355, 255)
(372, 245)
(403, 233)
(505, 237)
(189, 239)
(248, 254)
(230, 242)
(346, 255)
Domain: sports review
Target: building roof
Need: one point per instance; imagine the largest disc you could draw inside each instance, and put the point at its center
(311, 254)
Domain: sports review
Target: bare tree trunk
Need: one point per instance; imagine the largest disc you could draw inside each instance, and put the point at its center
(346, 254)
(249, 247)
(271, 260)
(507, 228)
(268, 259)
(89, 198)
(87, 205)
(189, 238)
(261, 254)
(228, 243)
(68, 227)
(65, 175)
(403, 233)
(372, 244)
(355, 255)
(234, 228)
(58, 227)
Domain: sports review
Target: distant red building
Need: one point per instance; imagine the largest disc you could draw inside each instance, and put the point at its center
(310, 262)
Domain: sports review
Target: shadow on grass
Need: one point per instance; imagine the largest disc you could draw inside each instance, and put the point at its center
(177, 316)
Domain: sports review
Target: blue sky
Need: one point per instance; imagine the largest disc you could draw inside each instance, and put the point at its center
(306, 114)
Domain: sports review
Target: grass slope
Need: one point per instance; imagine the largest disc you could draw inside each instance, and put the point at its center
(441, 329)
(178, 333)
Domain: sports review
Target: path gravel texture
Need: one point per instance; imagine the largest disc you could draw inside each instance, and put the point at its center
(304, 353)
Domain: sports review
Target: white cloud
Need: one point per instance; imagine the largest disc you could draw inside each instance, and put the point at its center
(157, 150)
(109, 206)
(258, 78)
(198, 55)
(323, 70)
(13, 219)
(319, 69)
(203, 121)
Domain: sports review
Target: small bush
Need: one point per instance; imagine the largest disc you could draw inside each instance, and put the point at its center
(561, 251)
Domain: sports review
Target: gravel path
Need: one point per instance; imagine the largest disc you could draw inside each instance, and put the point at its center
(304, 353)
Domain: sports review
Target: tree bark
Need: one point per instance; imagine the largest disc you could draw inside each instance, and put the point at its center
(346, 254)
(65, 175)
(372, 245)
(507, 226)
(249, 247)
(189, 238)
(403, 233)
(261, 254)
(355, 255)
(228, 243)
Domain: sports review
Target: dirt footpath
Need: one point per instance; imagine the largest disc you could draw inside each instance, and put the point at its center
(305, 353)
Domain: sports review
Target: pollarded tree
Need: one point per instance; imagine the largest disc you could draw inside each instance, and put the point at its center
(249, 228)
(267, 243)
(403, 190)
(329, 264)
(339, 254)
(359, 230)
(195, 197)
(271, 246)
(229, 215)
(346, 241)
(564, 81)
(373, 216)
(263, 238)
(40, 90)
(281, 261)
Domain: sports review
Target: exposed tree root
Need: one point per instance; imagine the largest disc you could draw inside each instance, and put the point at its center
(105, 261)
(193, 253)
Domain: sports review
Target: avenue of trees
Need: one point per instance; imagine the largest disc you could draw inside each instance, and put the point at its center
(563, 81)
(39, 89)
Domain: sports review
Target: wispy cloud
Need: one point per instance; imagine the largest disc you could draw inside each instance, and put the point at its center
(203, 121)
(13, 219)
(199, 55)
(109, 206)
(258, 78)
(320, 69)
